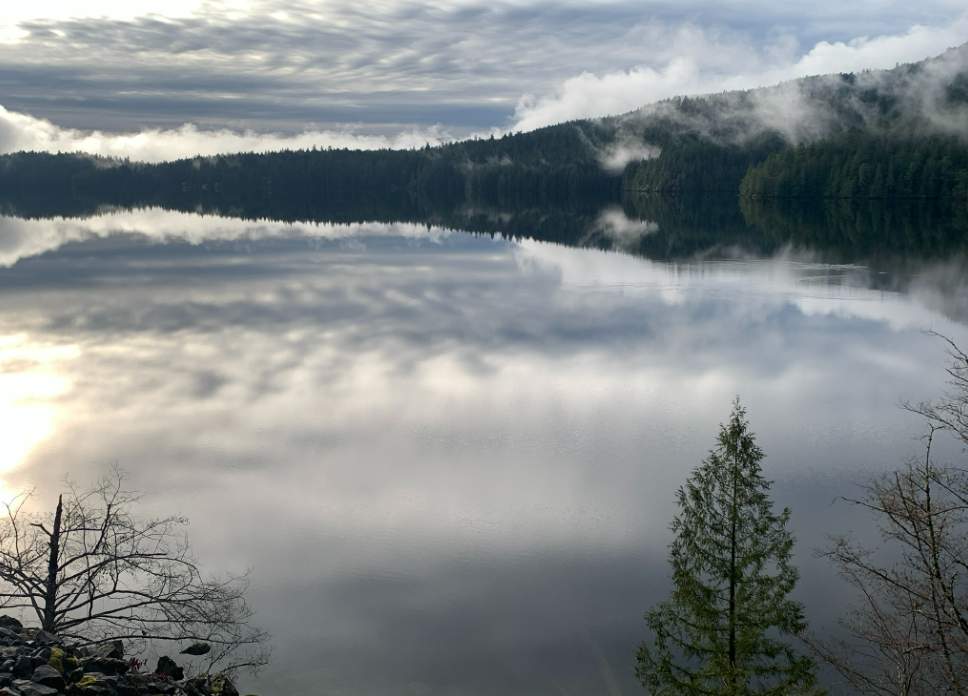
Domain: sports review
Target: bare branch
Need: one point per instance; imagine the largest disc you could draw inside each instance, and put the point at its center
(95, 573)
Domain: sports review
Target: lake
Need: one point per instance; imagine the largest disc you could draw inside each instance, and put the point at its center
(450, 459)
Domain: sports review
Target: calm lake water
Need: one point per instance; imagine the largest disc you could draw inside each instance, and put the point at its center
(448, 459)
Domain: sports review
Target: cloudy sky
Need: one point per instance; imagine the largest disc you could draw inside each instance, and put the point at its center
(159, 78)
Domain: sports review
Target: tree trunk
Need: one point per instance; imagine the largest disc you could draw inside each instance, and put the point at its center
(939, 588)
(732, 587)
(50, 588)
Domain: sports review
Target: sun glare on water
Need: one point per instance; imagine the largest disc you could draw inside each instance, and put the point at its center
(28, 383)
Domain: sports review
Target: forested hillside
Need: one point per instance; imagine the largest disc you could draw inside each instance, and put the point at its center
(880, 134)
(865, 164)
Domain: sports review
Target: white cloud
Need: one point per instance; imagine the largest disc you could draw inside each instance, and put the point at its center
(24, 132)
(705, 61)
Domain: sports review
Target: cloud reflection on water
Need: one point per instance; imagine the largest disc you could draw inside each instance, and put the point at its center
(450, 460)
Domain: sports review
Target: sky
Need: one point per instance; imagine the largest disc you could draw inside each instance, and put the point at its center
(156, 79)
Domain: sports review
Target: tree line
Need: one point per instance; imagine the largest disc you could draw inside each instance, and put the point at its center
(859, 164)
(864, 164)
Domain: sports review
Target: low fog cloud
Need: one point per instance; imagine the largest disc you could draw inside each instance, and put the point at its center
(705, 62)
(625, 149)
(23, 132)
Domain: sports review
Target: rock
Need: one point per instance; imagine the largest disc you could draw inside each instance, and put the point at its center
(114, 650)
(161, 687)
(22, 666)
(196, 649)
(94, 685)
(223, 686)
(48, 676)
(106, 665)
(127, 689)
(97, 684)
(86, 680)
(169, 668)
(38, 637)
(29, 688)
(11, 624)
(197, 687)
(37, 663)
(61, 661)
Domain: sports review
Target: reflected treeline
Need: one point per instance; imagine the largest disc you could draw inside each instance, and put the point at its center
(657, 227)
(690, 227)
(869, 230)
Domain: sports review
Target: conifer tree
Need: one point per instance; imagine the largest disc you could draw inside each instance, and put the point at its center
(721, 631)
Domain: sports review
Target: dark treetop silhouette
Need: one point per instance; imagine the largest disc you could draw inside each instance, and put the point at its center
(93, 572)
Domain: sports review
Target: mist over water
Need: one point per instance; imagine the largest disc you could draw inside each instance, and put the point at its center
(450, 460)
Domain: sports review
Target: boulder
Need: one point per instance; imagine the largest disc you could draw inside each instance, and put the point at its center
(223, 686)
(169, 668)
(38, 636)
(23, 666)
(61, 661)
(114, 650)
(198, 687)
(36, 663)
(11, 624)
(29, 688)
(96, 684)
(105, 665)
(8, 636)
(48, 676)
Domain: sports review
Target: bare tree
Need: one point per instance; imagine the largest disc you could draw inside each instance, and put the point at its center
(950, 412)
(908, 635)
(93, 572)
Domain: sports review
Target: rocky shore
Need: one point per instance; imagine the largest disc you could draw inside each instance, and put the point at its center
(36, 663)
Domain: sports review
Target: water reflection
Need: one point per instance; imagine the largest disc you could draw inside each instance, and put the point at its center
(449, 459)
(27, 388)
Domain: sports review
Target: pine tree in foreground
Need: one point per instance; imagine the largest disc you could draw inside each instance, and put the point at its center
(721, 631)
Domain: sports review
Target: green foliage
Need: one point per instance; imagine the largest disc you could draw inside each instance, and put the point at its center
(35, 184)
(720, 632)
(865, 164)
(700, 166)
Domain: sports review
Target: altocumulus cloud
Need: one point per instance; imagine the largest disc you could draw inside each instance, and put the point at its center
(267, 74)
